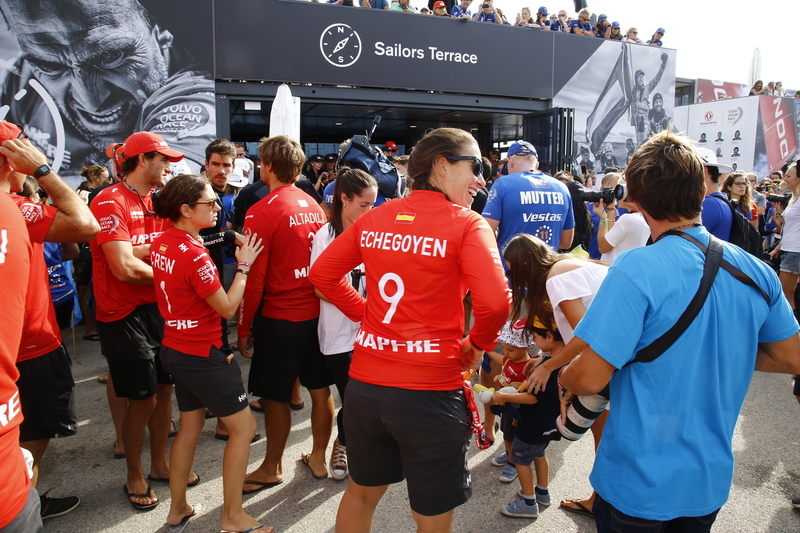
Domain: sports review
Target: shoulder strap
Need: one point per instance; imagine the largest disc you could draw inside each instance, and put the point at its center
(713, 257)
(713, 261)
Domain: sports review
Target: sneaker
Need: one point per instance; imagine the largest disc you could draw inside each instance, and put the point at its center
(796, 503)
(509, 474)
(52, 507)
(520, 509)
(542, 498)
(338, 462)
(500, 460)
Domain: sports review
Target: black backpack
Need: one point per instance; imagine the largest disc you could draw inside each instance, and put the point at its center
(743, 234)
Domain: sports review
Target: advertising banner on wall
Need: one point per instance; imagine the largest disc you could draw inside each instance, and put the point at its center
(621, 95)
(712, 90)
(754, 133)
(81, 74)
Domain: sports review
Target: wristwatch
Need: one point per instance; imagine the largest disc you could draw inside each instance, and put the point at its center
(42, 171)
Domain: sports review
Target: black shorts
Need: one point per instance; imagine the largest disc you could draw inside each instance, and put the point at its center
(131, 346)
(796, 390)
(46, 394)
(205, 381)
(64, 313)
(421, 436)
(284, 351)
(507, 427)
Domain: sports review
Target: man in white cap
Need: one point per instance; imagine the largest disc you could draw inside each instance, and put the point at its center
(716, 211)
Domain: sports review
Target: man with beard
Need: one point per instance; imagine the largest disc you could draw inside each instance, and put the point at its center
(130, 326)
(110, 71)
(659, 121)
(640, 100)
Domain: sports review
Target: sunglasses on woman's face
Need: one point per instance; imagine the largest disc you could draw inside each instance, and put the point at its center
(477, 165)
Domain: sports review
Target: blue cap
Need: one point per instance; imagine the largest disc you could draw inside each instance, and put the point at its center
(543, 10)
(615, 24)
(601, 18)
(661, 31)
(522, 147)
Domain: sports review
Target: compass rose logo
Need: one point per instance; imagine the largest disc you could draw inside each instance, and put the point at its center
(340, 45)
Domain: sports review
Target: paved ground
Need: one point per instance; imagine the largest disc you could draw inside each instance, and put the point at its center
(767, 445)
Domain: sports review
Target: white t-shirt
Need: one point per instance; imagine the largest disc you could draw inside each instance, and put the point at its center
(791, 228)
(580, 283)
(628, 232)
(336, 332)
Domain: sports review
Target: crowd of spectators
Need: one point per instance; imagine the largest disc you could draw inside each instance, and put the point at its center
(585, 23)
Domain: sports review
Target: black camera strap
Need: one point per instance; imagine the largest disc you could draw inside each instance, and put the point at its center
(713, 262)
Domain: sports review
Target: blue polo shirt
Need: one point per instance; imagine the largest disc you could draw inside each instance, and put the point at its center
(577, 24)
(657, 43)
(557, 26)
(458, 11)
(380, 4)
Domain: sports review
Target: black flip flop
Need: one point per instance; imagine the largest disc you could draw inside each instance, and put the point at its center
(261, 485)
(297, 406)
(118, 455)
(578, 509)
(145, 494)
(225, 438)
(166, 480)
(305, 457)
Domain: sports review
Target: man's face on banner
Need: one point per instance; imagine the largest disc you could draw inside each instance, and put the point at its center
(99, 60)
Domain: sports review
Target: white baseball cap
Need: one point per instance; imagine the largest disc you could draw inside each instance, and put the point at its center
(237, 179)
(709, 159)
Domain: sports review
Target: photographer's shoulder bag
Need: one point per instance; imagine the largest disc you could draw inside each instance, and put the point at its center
(713, 262)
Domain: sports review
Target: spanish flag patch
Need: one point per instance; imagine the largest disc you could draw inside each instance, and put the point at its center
(162, 248)
(405, 218)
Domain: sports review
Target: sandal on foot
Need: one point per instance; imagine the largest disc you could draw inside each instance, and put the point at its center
(118, 455)
(166, 480)
(259, 527)
(179, 527)
(225, 438)
(261, 485)
(305, 458)
(297, 406)
(146, 494)
(256, 405)
(92, 337)
(578, 509)
(172, 431)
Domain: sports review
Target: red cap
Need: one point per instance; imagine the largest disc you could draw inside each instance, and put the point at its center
(143, 142)
(390, 146)
(439, 3)
(9, 131)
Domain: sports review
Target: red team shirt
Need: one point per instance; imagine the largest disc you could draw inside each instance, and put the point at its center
(122, 217)
(41, 334)
(15, 268)
(286, 219)
(184, 276)
(415, 250)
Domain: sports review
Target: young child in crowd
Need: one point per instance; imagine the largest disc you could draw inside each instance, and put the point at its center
(535, 427)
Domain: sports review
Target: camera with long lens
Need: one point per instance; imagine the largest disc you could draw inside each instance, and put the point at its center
(780, 198)
(582, 413)
(607, 195)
